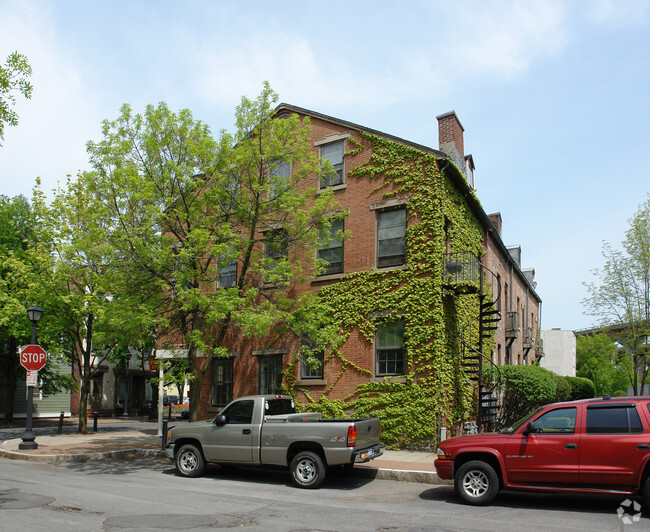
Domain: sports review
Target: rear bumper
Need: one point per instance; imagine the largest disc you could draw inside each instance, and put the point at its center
(365, 455)
(444, 468)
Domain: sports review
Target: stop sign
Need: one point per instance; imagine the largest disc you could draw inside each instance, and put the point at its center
(33, 357)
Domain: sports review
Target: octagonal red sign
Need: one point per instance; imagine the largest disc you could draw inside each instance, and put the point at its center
(33, 357)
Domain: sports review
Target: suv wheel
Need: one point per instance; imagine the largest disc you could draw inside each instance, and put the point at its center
(476, 482)
(189, 461)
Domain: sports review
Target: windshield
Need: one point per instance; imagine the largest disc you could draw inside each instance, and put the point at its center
(522, 421)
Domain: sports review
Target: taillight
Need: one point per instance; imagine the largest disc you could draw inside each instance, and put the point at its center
(352, 435)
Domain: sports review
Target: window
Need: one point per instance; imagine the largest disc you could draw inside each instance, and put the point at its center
(269, 374)
(279, 177)
(333, 152)
(240, 413)
(391, 237)
(615, 419)
(332, 250)
(227, 276)
(221, 393)
(311, 369)
(389, 348)
(559, 421)
(276, 243)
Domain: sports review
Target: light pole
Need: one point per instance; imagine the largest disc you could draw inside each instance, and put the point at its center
(126, 400)
(34, 314)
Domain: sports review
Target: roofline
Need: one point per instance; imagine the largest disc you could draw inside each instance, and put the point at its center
(351, 125)
(458, 179)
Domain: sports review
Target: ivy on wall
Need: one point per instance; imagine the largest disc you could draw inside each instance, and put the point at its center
(435, 391)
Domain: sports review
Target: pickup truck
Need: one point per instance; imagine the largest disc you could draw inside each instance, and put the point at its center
(267, 430)
(597, 445)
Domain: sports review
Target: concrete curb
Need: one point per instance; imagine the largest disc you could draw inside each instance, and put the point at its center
(84, 457)
(362, 471)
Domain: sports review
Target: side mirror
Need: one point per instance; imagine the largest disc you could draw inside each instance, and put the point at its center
(220, 420)
(530, 429)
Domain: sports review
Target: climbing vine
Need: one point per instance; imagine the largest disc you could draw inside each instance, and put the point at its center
(434, 391)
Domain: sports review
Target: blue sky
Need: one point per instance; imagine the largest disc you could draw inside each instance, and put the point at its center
(553, 96)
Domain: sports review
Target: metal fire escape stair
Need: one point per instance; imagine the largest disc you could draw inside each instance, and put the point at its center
(473, 358)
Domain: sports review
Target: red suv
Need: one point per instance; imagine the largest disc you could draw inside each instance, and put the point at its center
(589, 446)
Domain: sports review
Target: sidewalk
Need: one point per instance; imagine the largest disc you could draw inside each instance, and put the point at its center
(407, 466)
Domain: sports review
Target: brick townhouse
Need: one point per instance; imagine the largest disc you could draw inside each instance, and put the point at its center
(409, 284)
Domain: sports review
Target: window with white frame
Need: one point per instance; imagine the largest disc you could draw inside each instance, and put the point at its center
(227, 274)
(333, 152)
(279, 178)
(311, 359)
(390, 356)
(391, 237)
(332, 248)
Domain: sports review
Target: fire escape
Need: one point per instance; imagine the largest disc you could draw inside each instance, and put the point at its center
(465, 274)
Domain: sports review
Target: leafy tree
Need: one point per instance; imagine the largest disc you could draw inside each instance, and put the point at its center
(68, 269)
(597, 360)
(185, 212)
(14, 76)
(621, 297)
(19, 232)
(16, 233)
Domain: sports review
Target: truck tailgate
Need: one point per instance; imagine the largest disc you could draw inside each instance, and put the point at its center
(368, 432)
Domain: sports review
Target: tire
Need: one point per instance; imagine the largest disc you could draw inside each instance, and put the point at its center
(189, 461)
(307, 470)
(476, 483)
(646, 497)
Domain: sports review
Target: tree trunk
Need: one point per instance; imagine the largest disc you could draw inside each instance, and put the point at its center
(12, 381)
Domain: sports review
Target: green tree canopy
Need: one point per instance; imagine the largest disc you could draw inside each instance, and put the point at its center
(620, 298)
(181, 210)
(14, 77)
(597, 360)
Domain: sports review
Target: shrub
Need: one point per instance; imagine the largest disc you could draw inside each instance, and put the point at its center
(563, 389)
(581, 388)
(523, 388)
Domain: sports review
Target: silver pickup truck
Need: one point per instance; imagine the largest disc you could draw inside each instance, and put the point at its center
(266, 430)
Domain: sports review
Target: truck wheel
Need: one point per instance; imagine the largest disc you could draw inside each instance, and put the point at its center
(476, 482)
(307, 470)
(189, 461)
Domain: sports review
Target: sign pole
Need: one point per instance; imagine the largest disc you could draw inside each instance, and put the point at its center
(29, 438)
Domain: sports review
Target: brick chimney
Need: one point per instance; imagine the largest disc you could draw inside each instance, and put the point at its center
(450, 135)
(450, 139)
(497, 221)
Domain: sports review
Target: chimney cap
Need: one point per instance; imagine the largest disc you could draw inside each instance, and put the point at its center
(450, 114)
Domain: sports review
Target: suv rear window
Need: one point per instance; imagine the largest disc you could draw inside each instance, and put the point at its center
(614, 419)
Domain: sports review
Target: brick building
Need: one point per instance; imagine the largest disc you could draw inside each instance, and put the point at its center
(406, 321)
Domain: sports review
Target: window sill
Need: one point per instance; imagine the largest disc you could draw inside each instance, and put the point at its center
(389, 268)
(311, 382)
(333, 187)
(389, 378)
(332, 277)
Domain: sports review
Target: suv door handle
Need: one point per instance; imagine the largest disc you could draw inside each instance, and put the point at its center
(246, 431)
(643, 446)
(571, 446)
